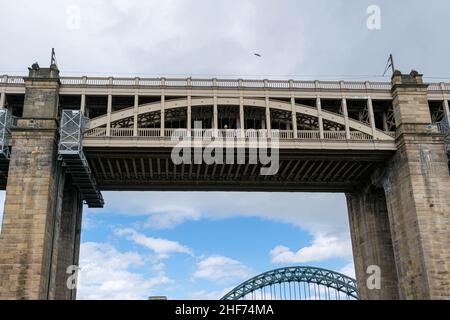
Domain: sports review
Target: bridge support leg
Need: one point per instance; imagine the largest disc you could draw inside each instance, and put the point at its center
(30, 217)
(417, 188)
(32, 209)
(372, 244)
(68, 242)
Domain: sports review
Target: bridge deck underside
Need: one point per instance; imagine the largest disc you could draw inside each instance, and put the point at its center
(309, 171)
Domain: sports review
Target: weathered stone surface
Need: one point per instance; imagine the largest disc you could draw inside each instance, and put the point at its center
(69, 240)
(417, 191)
(30, 217)
(33, 198)
(371, 241)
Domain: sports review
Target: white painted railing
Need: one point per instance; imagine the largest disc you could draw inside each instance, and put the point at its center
(278, 84)
(98, 81)
(203, 133)
(231, 134)
(14, 80)
(150, 82)
(283, 134)
(176, 132)
(124, 82)
(435, 87)
(254, 134)
(121, 132)
(356, 135)
(354, 85)
(330, 85)
(202, 82)
(97, 132)
(253, 83)
(335, 135)
(176, 82)
(380, 86)
(72, 81)
(308, 135)
(304, 84)
(226, 83)
(149, 132)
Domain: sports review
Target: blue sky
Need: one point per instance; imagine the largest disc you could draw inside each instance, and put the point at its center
(204, 244)
(197, 245)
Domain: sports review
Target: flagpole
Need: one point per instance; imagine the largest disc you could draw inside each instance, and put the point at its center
(392, 63)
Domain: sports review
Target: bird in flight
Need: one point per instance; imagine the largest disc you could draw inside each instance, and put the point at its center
(257, 54)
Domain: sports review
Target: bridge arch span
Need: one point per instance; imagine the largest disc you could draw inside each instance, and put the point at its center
(318, 282)
(248, 102)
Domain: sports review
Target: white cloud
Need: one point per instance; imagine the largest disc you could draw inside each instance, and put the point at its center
(323, 247)
(169, 216)
(161, 247)
(221, 270)
(205, 37)
(107, 273)
(348, 270)
(314, 212)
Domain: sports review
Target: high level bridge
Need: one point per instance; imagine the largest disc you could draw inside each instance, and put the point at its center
(65, 139)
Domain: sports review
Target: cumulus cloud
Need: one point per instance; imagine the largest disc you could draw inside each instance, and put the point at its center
(348, 270)
(221, 270)
(313, 212)
(162, 247)
(170, 216)
(107, 273)
(322, 248)
(193, 37)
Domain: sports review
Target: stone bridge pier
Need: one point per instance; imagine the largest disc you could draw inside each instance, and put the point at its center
(400, 218)
(42, 215)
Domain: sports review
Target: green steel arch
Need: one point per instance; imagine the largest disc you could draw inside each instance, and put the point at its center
(306, 282)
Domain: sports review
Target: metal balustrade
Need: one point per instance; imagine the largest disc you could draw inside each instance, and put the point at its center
(434, 87)
(308, 135)
(230, 134)
(356, 135)
(149, 132)
(96, 132)
(304, 84)
(225, 83)
(121, 132)
(283, 134)
(335, 135)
